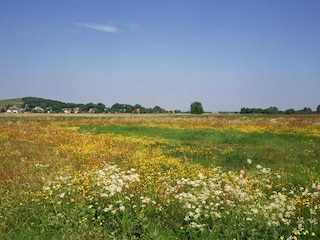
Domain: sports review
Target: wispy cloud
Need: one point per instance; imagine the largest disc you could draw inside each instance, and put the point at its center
(99, 27)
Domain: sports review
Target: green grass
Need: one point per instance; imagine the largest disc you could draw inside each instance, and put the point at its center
(13, 101)
(230, 149)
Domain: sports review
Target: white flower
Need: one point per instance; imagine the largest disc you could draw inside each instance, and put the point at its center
(254, 210)
(107, 209)
(104, 195)
(249, 161)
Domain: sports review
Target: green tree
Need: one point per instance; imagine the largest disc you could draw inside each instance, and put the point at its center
(196, 108)
(156, 109)
(318, 109)
(100, 107)
(307, 110)
(290, 111)
(271, 110)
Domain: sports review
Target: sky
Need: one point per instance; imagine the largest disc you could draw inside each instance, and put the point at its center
(226, 54)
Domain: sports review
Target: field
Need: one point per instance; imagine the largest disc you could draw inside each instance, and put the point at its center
(6, 102)
(159, 176)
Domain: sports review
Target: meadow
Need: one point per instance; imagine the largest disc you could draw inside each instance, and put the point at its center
(159, 176)
(5, 102)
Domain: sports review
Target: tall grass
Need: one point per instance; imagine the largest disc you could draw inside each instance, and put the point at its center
(159, 178)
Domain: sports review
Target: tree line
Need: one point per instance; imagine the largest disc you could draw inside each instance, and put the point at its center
(33, 104)
(275, 110)
(137, 108)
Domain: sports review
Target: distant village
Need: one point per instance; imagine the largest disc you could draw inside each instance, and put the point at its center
(38, 109)
(40, 105)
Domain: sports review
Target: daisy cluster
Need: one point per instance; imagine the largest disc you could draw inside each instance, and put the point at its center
(205, 202)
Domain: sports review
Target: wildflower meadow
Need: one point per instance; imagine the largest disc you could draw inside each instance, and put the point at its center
(159, 176)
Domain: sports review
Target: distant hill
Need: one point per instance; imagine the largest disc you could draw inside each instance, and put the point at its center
(32, 102)
(35, 104)
(14, 101)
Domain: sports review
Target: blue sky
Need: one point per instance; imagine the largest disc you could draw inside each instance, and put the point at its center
(226, 54)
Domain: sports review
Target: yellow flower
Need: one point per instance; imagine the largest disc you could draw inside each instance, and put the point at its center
(297, 233)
